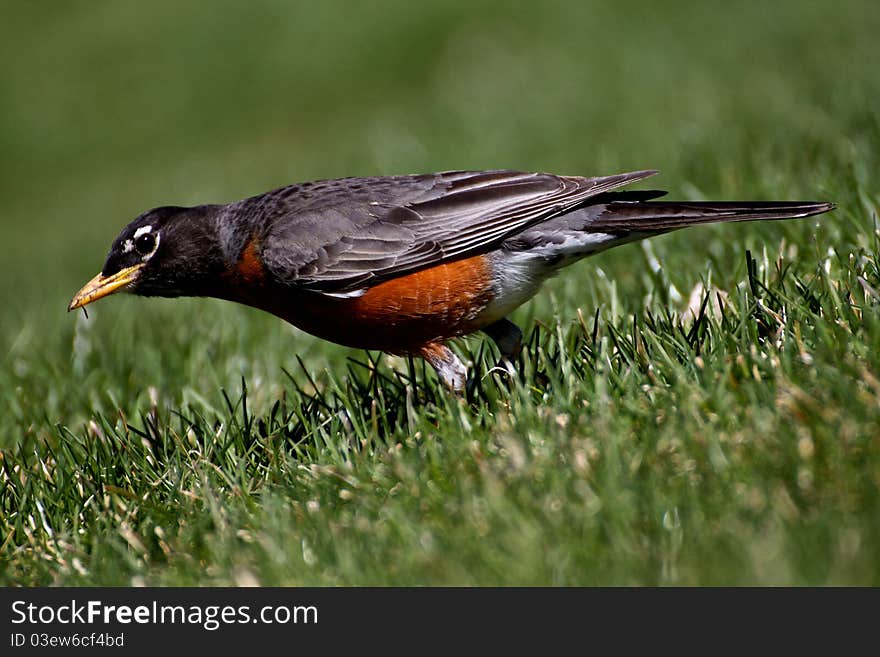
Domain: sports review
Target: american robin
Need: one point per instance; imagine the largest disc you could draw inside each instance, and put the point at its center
(401, 264)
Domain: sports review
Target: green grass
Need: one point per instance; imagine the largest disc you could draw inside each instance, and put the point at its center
(184, 442)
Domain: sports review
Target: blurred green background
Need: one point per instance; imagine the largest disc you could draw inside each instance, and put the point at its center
(109, 108)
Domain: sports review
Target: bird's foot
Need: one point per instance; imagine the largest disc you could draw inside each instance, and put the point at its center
(448, 366)
(508, 338)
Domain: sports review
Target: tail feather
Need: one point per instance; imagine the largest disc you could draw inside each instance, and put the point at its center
(661, 216)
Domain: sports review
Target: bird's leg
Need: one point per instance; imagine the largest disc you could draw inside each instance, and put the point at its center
(508, 337)
(448, 366)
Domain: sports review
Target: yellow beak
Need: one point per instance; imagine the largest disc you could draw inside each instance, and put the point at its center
(100, 286)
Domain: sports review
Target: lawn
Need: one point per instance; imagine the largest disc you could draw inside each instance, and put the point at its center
(703, 408)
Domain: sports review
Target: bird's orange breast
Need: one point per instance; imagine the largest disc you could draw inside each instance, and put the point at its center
(400, 315)
(447, 294)
(249, 268)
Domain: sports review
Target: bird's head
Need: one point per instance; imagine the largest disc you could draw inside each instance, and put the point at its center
(168, 251)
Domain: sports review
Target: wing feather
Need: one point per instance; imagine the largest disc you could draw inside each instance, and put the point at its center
(364, 231)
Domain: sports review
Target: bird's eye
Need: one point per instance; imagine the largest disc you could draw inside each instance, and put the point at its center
(145, 244)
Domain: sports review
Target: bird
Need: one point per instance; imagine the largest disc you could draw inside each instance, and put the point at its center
(401, 264)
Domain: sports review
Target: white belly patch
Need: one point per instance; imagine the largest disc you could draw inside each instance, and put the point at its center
(518, 275)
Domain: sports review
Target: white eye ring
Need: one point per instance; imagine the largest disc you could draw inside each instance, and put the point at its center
(140, 232)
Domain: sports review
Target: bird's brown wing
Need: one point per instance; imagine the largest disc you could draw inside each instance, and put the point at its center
(350, 234)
